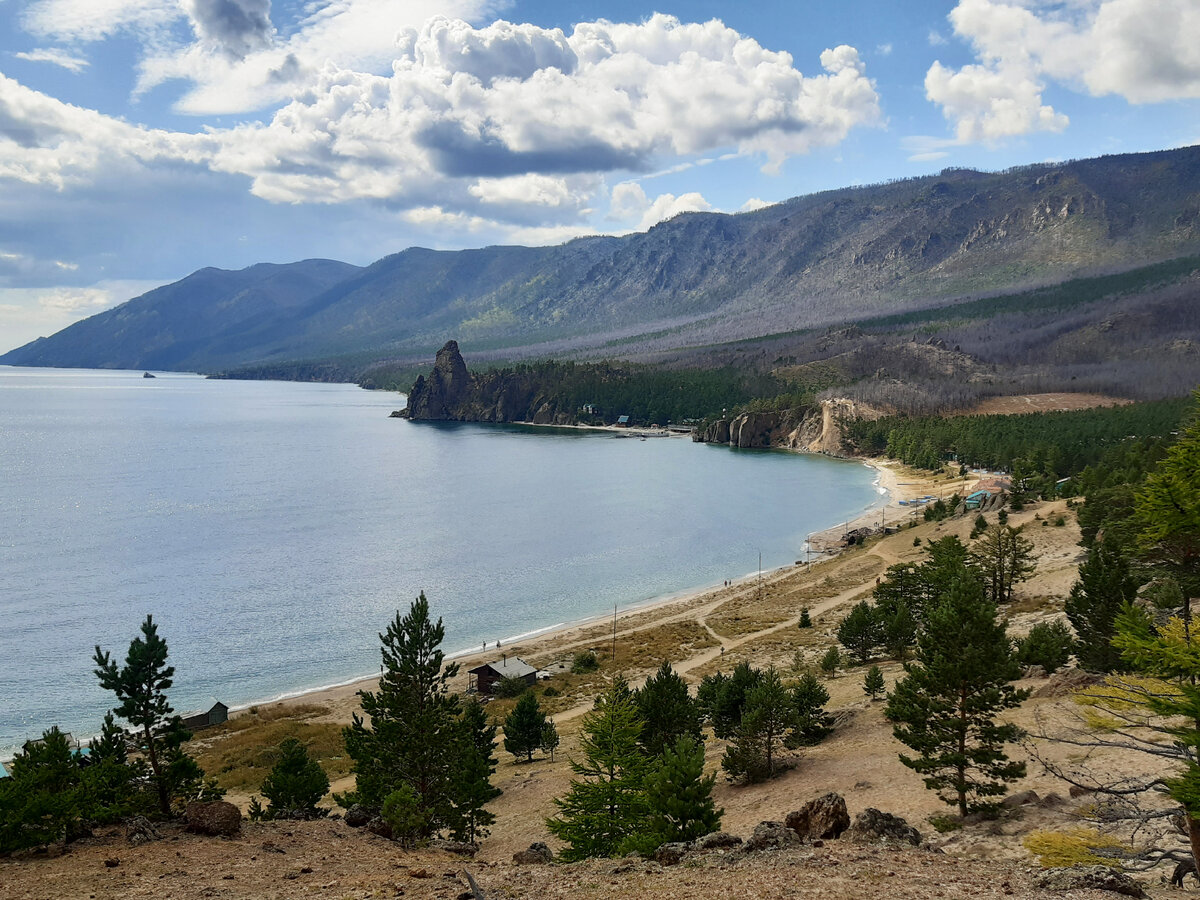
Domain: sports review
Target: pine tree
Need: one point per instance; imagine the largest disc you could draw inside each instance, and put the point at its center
(42, 802)
(409, 734)
(768, 718)
(1005, 558)
(946, 705)
(667, 710)
(1105, 585)
(831, 661)
(812, 724)
(899, 629)
(550, 738)
(110, 781)
(805, 619)
(861, 632)
(606, 804)
(473, 787)
(873, 684)
(523, 727)
(679, 796)
(723, 697)
(1048, 644)
(295, 784)
(141, 690)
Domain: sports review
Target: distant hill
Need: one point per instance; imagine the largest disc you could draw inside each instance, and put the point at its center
(815, 261)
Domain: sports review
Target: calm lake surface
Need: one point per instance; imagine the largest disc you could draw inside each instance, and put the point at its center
(273, 529)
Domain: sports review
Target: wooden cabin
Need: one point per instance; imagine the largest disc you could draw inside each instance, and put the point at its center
(214, 715)
(483, 678)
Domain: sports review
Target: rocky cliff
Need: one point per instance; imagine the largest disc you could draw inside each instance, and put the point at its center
(453, 394)
(814, 429)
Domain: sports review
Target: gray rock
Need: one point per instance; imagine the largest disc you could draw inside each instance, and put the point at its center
(379, 826)
(772, 836)
(217, 818)
(823, 818)
(537, 854)
(1024, 798)
(140, 830)
(357, 817)
(1095, 878)
(670, 854)
(874, 827)
(717, 840)
(458, 848)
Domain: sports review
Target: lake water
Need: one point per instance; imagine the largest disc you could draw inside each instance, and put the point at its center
(273, 529)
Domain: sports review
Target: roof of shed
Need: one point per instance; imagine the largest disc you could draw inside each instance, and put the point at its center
(512, 667)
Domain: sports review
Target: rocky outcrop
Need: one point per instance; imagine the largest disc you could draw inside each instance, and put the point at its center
(453, 394)
(537, 854)
(217, 818)
(772, 836)
(813, 429)
(874, 827)
(1090, 878)
(820, 819)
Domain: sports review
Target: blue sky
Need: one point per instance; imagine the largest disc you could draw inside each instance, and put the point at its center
(143, 139)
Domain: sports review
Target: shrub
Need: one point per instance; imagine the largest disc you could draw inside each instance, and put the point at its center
(510, 686)
(1076, 847)
(295, 784)
(805, 619)
(403, 814)
(831, 661)
(1049, 645)
(550, 691)
(585, 661)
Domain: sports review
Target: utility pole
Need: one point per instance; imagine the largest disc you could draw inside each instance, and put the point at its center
(614, 635)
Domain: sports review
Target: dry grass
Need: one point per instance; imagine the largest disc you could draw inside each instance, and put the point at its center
(242, 752)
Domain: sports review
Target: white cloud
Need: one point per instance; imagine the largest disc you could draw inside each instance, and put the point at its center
(94, 20)
(629, 202)
(1146, 51)
(936, 38)
(511, 124)
(884, 49)
(55, 57)
(754, 203)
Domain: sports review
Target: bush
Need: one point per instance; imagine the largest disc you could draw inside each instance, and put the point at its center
(831, 661)
(584, 662)
(403, 815)
(550, 691)
(509, 686)
(295, 784)
(1048, 645)
(1077, 847)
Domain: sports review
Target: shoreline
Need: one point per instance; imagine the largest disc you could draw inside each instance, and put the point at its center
(538, 640)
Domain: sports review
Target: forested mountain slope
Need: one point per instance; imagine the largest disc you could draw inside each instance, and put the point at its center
(812, 261)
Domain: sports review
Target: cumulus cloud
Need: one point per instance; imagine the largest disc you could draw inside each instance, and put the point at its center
(95, 20)
(505, 123)
(754, 203)
(1142, 50)
(234, 26)
(629, 202)
(55, 57)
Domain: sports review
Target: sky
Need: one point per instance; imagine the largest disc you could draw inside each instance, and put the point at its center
(141, 140)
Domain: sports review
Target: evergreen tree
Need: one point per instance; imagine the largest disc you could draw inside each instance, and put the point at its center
(805, 619)
(723, 697)
(550, 739)
(1167, 511)
(473, 775)
(1005, 558)
(831, 661)
(606, 804)
(873, 684)
(679, 796)
(1048, 644)
(295, 784)
(768, 718)
(141, 690)
(1105, 585)
(42, 802)
(523, 727)
(110, 781)
(861, 632)
(667, 709)
(812, 724)
(409, 733)
(946, 705)
(899, 629)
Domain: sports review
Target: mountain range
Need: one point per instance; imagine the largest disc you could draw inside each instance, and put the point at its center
(812, 262)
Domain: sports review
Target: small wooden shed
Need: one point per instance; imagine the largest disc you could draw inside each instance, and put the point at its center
(214, 715)
(483, 678)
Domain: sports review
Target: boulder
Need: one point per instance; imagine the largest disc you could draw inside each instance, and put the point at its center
(822, 818)
(379, 826)
(357, 817)
(140, 830)
(670, 854)
(717, 840)
(772, 836)
(217, 818)
(1024, 798)
(537, 854)
(1095, 878)
(458, 848)
(874, 827)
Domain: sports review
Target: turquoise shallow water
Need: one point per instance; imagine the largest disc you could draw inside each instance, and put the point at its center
(273, 529)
